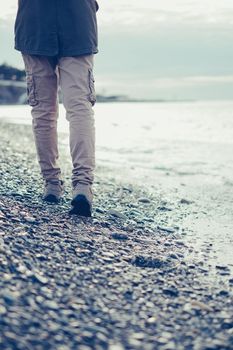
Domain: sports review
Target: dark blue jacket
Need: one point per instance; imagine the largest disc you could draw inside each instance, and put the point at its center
(56, 27)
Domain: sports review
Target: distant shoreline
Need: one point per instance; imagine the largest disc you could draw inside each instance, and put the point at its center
(14, 92)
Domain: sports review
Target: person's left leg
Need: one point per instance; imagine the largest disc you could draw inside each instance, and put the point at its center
(42, 85)
(77, 87)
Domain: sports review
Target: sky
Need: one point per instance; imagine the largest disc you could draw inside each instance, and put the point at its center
(170, 49)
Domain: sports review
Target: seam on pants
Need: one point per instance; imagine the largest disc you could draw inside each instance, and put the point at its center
(92, 95)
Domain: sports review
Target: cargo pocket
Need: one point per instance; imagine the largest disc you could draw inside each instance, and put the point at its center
(31, 90)
(92, 95)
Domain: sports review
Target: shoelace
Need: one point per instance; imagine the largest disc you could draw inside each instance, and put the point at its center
(54, 183)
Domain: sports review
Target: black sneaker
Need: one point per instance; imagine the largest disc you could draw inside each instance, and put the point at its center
(82, 200)
(80, 206)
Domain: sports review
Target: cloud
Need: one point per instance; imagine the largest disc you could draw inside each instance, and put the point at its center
(8, 9)
(141, 15)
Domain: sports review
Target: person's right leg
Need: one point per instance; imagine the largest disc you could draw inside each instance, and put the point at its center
(42, 85)
(77, 86)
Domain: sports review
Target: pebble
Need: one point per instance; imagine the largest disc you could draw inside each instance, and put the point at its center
(99, 210)
(144, 200)
(119, 236)
(116, 214)
(39, 278)
(135, 213)
(163, 208)
(174, 256)
(21, 234)
(50, 304)
(151, 320)
(116, 346)
(223, 293)
(185, 201)
(222, 267)
(10, 298)
(147, 261)
(1, 242)
(56, 233)
(172, 292)
(108, 254)
(169, 345)
(138, 336)
(179, 242)
(30, 219)
(227, 324)
(2, 310)
(199, 305)
(166, 229)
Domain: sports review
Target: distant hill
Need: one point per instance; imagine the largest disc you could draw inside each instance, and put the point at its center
(11, 73)
(13, 89)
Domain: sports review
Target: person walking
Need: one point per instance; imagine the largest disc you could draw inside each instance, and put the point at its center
(58, 40)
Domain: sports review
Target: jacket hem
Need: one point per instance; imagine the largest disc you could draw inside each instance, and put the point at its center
(56, 52)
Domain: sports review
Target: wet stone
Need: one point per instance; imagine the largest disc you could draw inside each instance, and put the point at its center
(99, 210)
(116, 347)
(174, 256)
(166, 229)
(2, 310)
(163, 208)
(171, 292)
(227, 324)
(151, 320)
(55, 233)
(108, 254)
(39, 278)
(30, 219)
(222, 267)
(119, 236)
(180, 243)
(1, 242)
(148, 261)
(41, 257)
(144, 200)
(51, 304)
(135, 212)
(185, 201)
(201, 306)
(10, 298)
(223, 293)
(117, 214)
(169, 345)
(21, 234)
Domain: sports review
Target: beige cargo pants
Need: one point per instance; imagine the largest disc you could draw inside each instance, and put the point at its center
(75, 77)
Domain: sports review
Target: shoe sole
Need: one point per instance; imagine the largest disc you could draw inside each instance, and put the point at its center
(51, 199)
(81, 206)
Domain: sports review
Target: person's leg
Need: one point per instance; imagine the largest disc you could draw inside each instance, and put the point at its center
(77, 87)
(42, 85)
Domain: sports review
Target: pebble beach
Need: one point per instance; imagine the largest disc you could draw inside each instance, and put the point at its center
(122, 280)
